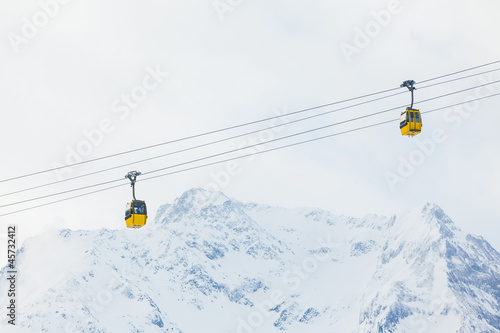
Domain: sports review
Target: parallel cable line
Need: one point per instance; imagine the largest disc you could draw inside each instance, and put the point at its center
(255, 153)
(459, 78)
(200, 146)
(237, 136)
(64, 199)
(316, 139)
(317, 128)
(248, 155)
(255, 145)
(461, 71)
(59, 193)
(198, 135)
(243, 124)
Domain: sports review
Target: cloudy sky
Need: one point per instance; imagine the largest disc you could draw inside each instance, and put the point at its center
(85, 79)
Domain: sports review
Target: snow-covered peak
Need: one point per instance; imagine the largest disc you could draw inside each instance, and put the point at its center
(230, 265)
(425, 223)
(199, 197)
(433, 211)
(194, 203)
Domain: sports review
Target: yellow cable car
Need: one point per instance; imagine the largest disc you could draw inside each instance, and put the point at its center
(410, 121)
(136, 212)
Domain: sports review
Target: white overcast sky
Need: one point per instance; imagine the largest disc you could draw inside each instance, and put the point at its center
(242, 61)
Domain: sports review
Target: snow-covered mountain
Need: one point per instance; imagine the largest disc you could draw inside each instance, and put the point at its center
(207, 263)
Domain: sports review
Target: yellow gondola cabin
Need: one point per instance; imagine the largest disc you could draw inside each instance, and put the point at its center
(410, 122)
(136, 214)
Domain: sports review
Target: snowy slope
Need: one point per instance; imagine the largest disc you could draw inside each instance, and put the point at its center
(207, 263)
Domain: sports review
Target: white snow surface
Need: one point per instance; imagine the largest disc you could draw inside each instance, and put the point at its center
(207, 263)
